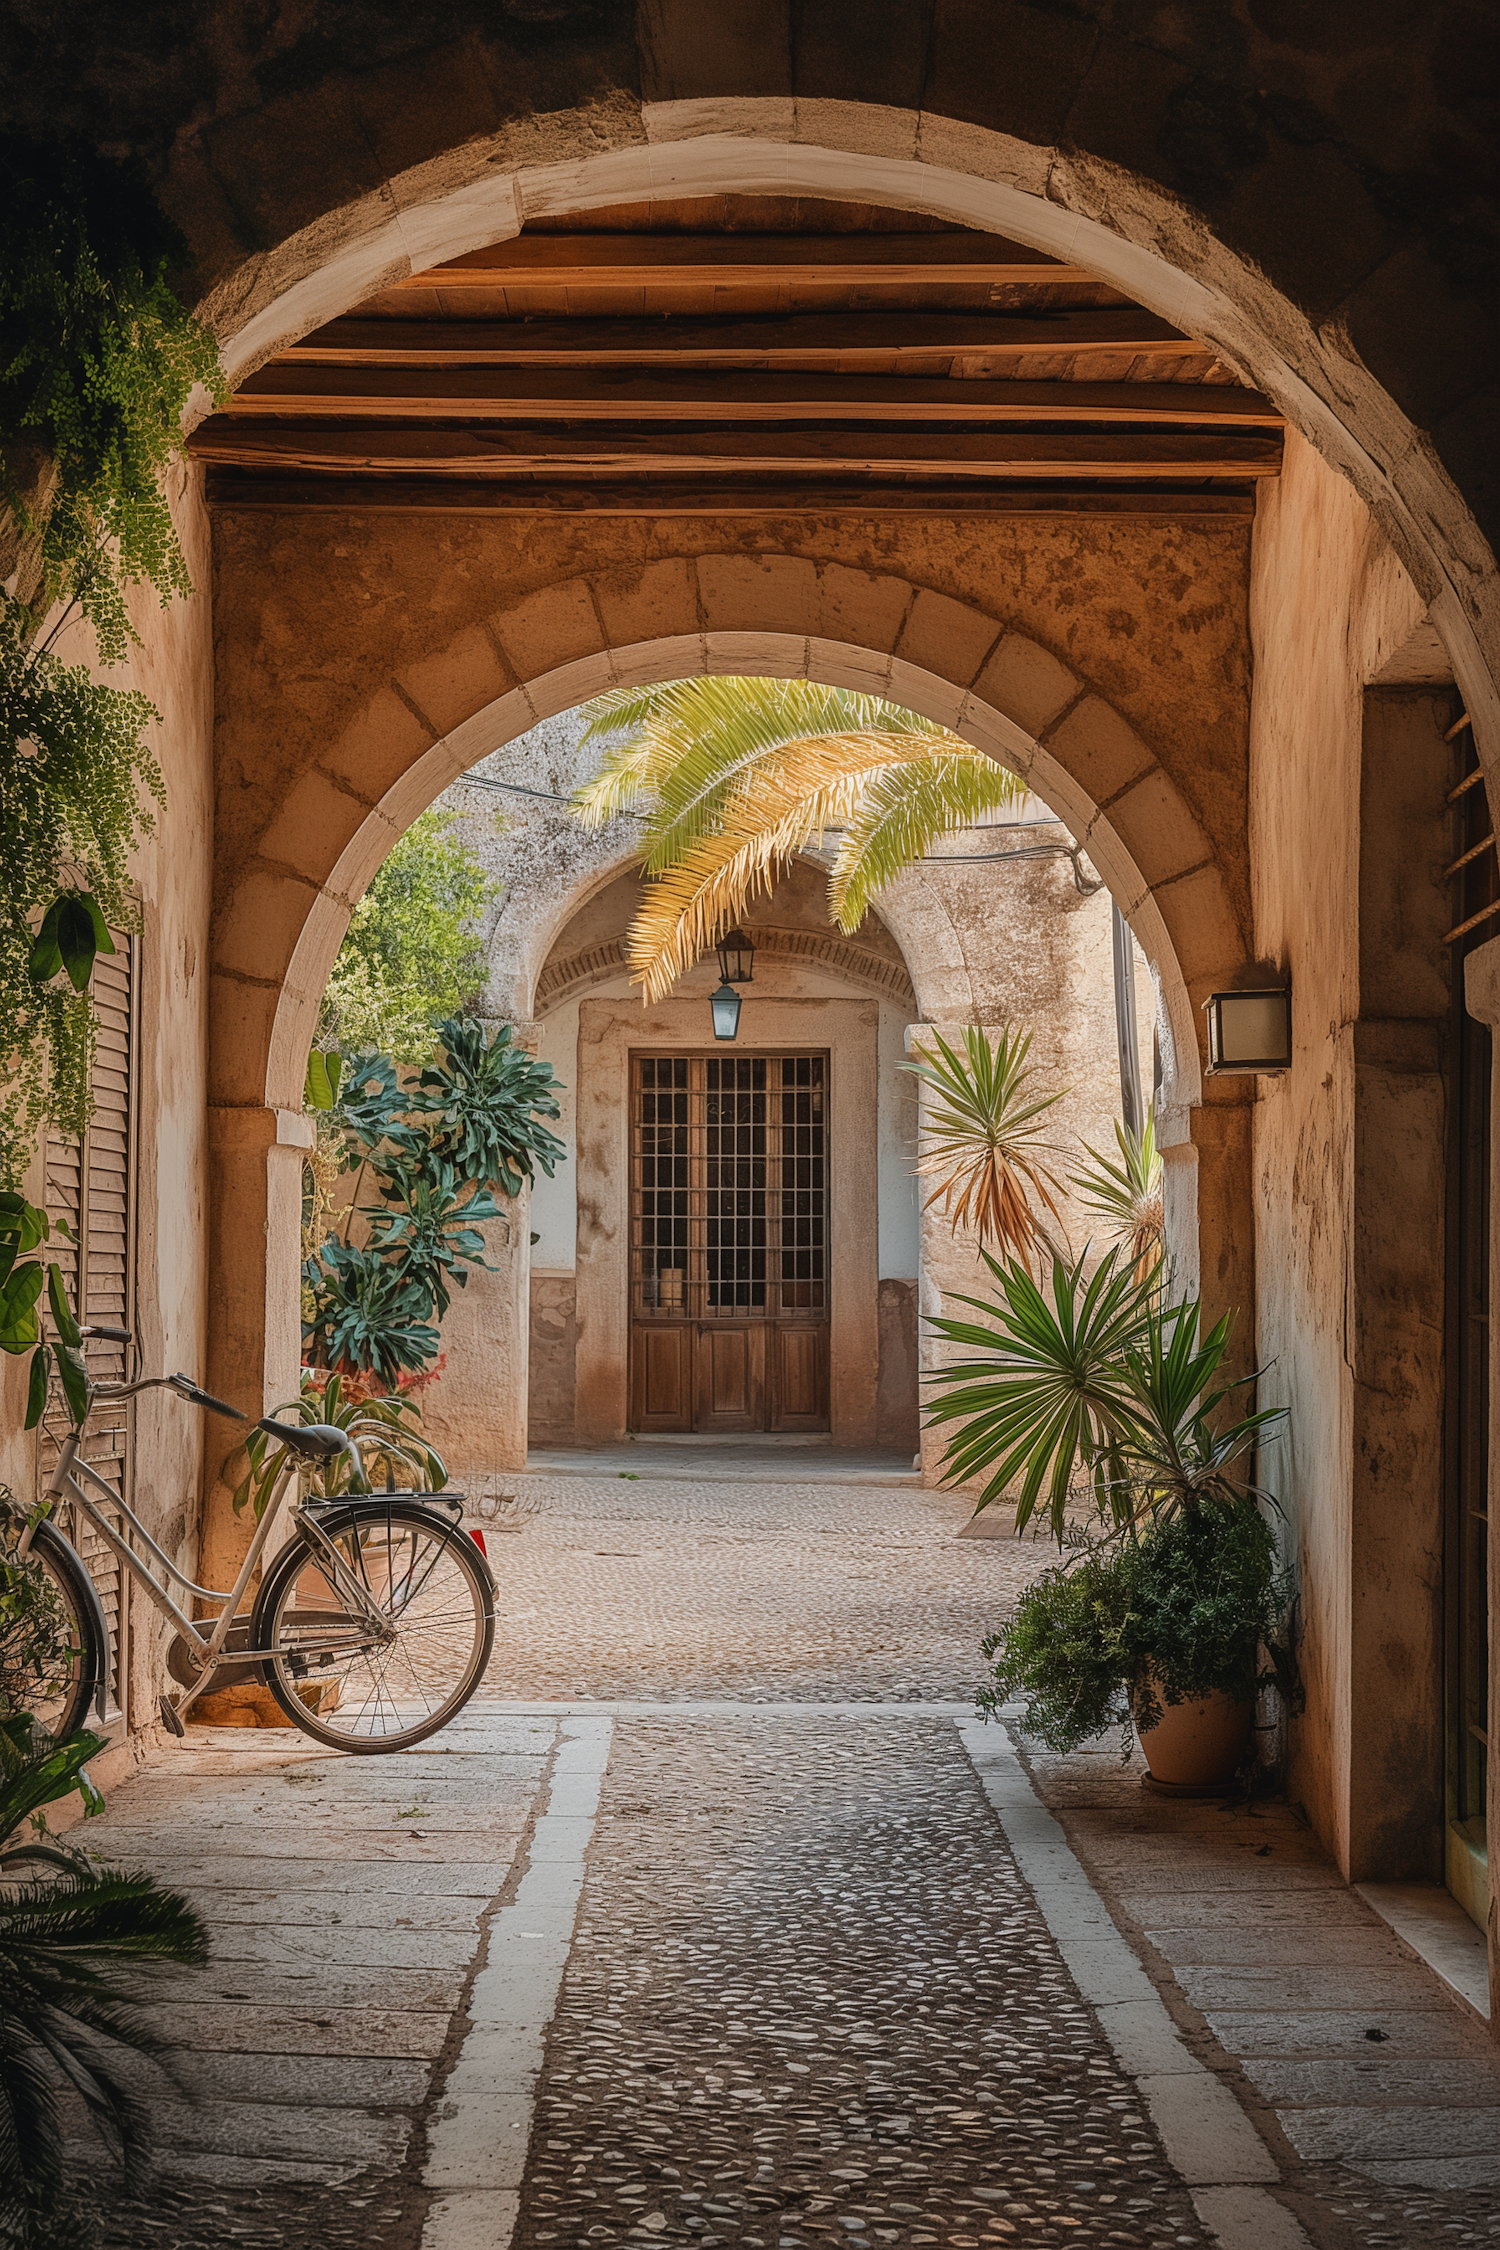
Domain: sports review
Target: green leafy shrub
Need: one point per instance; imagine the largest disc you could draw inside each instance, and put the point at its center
(432, 1151)
(387, 1431)
(1193, 1605)
(410, 955)
(97, 360)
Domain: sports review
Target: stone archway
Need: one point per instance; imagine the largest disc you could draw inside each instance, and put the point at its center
(1123, 227)
(281, 909)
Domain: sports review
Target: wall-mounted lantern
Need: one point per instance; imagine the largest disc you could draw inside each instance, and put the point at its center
(1249, 1031)
(736, 958)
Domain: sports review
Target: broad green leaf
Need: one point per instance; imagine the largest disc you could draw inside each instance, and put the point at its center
(36, 1395)
(62, 1311)
(76, 941)
(19, 1326)
(73, 1376)
(46, 953)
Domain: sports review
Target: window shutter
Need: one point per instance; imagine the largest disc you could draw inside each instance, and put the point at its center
(91, 1188)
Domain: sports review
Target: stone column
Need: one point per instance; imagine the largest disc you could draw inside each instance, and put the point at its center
(254, 1297)
(1482, 998)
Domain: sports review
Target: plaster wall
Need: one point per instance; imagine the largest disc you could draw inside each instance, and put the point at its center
(171, 664)
(1346, 845)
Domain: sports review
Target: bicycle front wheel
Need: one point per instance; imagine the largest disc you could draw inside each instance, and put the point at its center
(379, 1649)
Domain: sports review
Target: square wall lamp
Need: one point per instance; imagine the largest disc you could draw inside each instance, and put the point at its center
(1249, 1031)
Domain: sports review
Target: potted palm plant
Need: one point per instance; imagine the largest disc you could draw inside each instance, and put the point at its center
(1099, 1404)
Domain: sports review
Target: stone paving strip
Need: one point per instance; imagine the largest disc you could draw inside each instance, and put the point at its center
(345, 1899)
(1377, 2087)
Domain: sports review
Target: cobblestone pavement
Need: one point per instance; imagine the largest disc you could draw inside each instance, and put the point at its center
(623, 1588)
(811, 2000)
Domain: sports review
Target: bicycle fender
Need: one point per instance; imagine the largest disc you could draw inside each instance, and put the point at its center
(89, 1593)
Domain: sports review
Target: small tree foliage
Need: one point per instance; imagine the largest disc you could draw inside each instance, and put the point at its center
(411, 956)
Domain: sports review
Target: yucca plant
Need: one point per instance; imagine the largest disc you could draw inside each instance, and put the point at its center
(1104, 1390)
(734, 777)
(1127, 1197)
(980, 1137)
(388, 1432)
(75, 1939)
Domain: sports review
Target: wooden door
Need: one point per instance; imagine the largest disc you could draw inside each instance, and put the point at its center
(729, 1256)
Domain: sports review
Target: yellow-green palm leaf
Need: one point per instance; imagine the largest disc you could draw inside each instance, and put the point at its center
(735, 776)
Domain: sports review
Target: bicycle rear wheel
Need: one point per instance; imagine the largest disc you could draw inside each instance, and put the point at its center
(339, 1677)
(55, 1654)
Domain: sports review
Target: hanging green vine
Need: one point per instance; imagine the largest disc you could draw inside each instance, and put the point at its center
(98, 358)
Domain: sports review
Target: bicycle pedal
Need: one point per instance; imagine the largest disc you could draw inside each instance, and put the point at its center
(170, 1720)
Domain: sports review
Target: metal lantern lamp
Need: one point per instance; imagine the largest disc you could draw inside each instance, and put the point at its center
(1249, 1031)
(736, 959)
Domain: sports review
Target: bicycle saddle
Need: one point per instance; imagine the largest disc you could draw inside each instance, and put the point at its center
(312, 1441)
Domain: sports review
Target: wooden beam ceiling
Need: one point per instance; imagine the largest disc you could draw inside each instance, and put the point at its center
(372, 393)
(705, 380)
(724, 340)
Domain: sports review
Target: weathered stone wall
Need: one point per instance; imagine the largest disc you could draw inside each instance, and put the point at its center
(1347, 832)
(172, 665)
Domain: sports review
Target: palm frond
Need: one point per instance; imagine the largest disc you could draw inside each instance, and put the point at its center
(980, 1135)
(624, 780)
(903, 808)
(1127, 1196)
(692, 903)
(695, 740)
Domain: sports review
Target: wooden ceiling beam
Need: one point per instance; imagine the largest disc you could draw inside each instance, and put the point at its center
(505, 452)
(497, 394)
(697, 261)
(728, 339)
(230, 488)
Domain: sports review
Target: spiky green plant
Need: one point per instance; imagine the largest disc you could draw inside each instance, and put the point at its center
(75, 1942)
(1127, 1196)
(1105, 1386)
(980, 1136)
(387, 1431)
(734, 777)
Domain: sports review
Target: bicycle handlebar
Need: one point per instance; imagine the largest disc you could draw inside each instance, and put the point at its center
(185, 1387)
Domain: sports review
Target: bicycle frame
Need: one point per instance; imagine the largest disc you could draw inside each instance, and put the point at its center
(206, 1649)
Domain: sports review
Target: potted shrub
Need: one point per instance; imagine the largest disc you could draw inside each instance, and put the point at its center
(1168, 1609)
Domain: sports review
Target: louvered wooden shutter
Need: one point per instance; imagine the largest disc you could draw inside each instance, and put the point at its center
(92, 1188)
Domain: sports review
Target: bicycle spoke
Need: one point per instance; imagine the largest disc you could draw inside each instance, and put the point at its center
(420, 1580)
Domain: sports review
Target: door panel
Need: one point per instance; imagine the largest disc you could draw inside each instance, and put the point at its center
(731, 1377)
(661, 1379)
(729, 1242)
(799, 1378)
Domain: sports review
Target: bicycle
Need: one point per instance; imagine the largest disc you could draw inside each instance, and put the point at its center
(372, 1627)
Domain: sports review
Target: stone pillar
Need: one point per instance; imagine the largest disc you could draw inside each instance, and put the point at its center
(254, 1297)
(1482, 997)
(1393, 1320)
(475, 1413)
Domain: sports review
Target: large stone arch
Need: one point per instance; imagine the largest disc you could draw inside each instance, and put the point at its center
(1133, 234)
(281, 909)
(279, 926)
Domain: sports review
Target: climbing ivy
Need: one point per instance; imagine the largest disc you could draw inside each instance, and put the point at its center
(98, 358)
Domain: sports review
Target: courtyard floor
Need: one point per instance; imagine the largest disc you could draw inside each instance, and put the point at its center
(719, 1920)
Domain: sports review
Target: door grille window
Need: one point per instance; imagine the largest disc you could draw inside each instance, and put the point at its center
(730, 1187)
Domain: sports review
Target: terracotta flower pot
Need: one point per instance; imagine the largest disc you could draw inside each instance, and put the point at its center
(1195, 1748)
